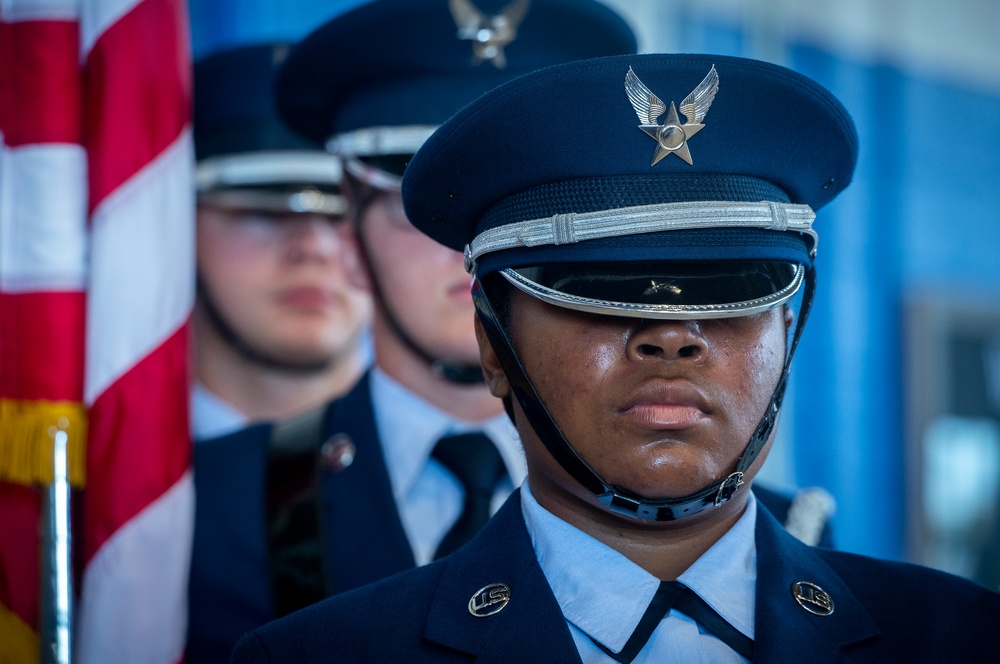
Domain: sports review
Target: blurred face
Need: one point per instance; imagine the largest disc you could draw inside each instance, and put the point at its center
(662, 408)
(422, 283)
(280, 283)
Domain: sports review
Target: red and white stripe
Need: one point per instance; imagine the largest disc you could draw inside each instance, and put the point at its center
(43, 268)
(96, 205)
(139, 504)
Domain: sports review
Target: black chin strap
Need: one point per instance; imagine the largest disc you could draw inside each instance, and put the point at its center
(453, 372)
(246, 350)
(619, 500)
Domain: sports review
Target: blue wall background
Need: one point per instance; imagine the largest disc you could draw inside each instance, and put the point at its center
(923, 216)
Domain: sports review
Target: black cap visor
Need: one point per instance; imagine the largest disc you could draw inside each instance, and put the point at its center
(663, 289)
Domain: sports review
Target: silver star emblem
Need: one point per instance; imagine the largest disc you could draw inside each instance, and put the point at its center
(488, 34)
(671, 136)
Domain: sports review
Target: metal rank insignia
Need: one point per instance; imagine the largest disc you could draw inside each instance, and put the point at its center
(812, 598)
(671, 136)
(489, 600)
(488, 34)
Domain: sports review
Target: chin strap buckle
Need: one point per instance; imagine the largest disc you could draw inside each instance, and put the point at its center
(620, 504)
(728, 487)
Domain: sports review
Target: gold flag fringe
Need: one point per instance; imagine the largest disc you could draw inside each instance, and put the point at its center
(18, 643)
(27, 443)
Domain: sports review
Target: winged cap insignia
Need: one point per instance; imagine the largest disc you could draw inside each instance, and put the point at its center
(488, 34)
(671, 137)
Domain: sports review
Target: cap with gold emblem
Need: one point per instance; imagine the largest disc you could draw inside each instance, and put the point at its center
(377, 80)
(671, 186)
(247, 158)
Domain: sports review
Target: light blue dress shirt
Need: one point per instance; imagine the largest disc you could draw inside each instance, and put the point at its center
(212, 417)
(603, 594)
(429, 497)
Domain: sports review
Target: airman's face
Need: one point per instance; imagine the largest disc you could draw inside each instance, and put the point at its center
(661, 408)
(280, 282)
(424, 284)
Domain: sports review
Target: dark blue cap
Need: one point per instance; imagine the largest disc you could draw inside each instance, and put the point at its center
(566, 140)
(234, 109)
(247, 156)
(664, 185)
(395, 63)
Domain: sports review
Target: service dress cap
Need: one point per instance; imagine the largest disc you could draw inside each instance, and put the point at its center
(376, 81)
(247, 157)
(655, 185)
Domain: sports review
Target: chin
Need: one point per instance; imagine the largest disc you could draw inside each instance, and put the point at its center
(671, 483)
(312, 356)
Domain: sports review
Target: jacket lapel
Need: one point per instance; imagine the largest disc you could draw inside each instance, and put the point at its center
(364, 535)
(529, 628)
(785, 631)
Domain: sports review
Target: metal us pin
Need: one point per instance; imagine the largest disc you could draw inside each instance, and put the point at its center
(489, 600)
(812, 598)
(671, 137)
(337, 453)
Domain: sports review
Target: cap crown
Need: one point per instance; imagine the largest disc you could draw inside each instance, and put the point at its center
(567, 139)
(234, 109)
(402, 62)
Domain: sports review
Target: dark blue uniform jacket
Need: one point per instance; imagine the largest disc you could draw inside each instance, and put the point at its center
(883, 611)
(230, 591)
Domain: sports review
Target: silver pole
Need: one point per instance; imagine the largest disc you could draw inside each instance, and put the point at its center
(56, 620)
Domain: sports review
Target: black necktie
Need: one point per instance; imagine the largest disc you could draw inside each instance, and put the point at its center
(475, 461)
(675, 595)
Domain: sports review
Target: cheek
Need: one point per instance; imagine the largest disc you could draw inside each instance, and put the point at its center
(767, 359)
(404, 258)
(572, 370)
(231, 248)
(754, 370)
(236, 273)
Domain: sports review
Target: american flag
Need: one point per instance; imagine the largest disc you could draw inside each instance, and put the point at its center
(96, 289)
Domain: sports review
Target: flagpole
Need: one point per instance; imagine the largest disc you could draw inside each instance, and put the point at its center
(56, 574)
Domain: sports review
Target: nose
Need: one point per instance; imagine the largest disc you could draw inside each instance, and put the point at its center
(313, 237)
(668, 340)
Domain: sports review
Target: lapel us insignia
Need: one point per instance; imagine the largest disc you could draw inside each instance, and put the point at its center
(337, 453)
(812, 598)
(489, 600)
(671, 137)
(488, 34)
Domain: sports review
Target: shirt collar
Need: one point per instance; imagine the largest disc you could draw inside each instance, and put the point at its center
(604, 594)
(409, 427)
(211, 416)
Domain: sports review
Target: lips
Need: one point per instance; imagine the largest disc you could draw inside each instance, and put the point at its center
(305, 297)
(667, 405)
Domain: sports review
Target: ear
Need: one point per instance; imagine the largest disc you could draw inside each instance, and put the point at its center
(789, 317)
(496, 379)
(355, 258)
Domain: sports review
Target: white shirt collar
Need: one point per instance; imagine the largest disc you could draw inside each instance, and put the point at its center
(409, 427)
(604, 594)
